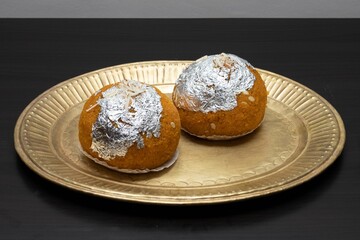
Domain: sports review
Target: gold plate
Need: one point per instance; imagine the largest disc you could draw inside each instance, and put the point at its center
(302, 134)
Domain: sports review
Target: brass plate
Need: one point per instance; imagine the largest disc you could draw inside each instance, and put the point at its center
(302, 134)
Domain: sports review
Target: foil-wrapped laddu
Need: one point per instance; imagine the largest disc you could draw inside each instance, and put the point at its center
(220, 97)
(130, 127)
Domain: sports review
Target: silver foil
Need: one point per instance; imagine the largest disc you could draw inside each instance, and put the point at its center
(212, 83)
(129, 112)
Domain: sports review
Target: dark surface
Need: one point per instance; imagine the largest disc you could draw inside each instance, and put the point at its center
(39, 53)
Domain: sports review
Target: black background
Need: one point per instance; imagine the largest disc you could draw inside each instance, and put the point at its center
(323, 54)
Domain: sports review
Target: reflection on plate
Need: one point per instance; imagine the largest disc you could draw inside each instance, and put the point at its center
(302, 134)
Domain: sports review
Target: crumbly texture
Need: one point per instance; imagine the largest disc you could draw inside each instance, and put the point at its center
(244, 118)
(156, 151)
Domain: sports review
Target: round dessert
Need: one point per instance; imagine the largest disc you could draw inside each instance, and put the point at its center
(130, 127)
(220, 97)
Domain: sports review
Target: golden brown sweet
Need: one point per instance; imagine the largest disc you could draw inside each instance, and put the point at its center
(220, 97)
(129, 126)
